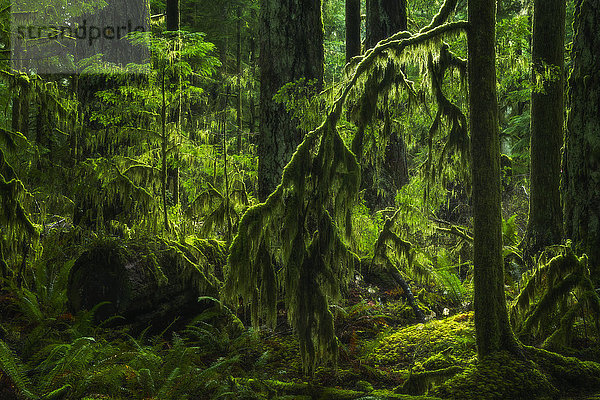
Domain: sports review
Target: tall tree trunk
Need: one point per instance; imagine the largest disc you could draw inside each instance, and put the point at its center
(352, 29)
(581, 165)
(547, 118)
(174, 24)
(163, 151)
(224, 45)
(253, 77)
(239, 81)
(492, 328)
(291, 48)
(385, 18)
(173, 15)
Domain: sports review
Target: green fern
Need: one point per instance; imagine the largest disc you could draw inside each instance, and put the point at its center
(15, 370)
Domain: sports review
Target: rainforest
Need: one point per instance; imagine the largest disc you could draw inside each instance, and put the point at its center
(301, 199)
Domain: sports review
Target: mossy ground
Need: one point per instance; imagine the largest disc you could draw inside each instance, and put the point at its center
(422, 344)
(537, 374)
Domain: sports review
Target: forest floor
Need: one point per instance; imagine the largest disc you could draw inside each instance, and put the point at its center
(383, 354)
(379, 348)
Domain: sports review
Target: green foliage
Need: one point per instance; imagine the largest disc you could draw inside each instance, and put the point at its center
(303, 102)
(109, 365)
(138, 157)
(335, 46)
(514, 76)
(12, 366)
(322, 176)
(103, 161)
(365, 228)
(222, 209)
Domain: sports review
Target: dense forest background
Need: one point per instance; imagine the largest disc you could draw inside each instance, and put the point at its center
(334, 199)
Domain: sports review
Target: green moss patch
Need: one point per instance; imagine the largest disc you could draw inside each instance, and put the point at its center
(567, 373)
(454, 336)
(500, 376)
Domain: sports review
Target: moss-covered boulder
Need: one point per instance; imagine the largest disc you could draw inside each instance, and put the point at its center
(149, 281)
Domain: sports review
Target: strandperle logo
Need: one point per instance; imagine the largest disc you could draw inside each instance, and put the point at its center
(54, 37)
(91, 33)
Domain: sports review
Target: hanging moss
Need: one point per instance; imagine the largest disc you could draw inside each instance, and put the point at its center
(18, 234)
(297, 240)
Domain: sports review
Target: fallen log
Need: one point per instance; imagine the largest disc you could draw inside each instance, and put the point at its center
(148, 283)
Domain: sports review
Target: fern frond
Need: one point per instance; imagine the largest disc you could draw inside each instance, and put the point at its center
(12, 366)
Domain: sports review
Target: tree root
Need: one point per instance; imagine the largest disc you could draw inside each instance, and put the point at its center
(541, 375)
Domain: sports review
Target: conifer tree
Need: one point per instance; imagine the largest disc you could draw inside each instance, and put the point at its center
(492, 326)
(297, 241)
(581, 164)
(291, 36)
(547, 118)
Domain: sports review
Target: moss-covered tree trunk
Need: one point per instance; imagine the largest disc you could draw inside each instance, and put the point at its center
(581, 165)
(291, 35)
(352, 29)
(547, 119)
(493, 331)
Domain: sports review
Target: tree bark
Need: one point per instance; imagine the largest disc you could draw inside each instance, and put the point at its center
(174, 24)
(352, 29)
(253, 77)
(581, 164)
(164, 142)
(239, 80)
(291, 48)
(493, 332)
(384, 18)
(547, 118)
(173, 15)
